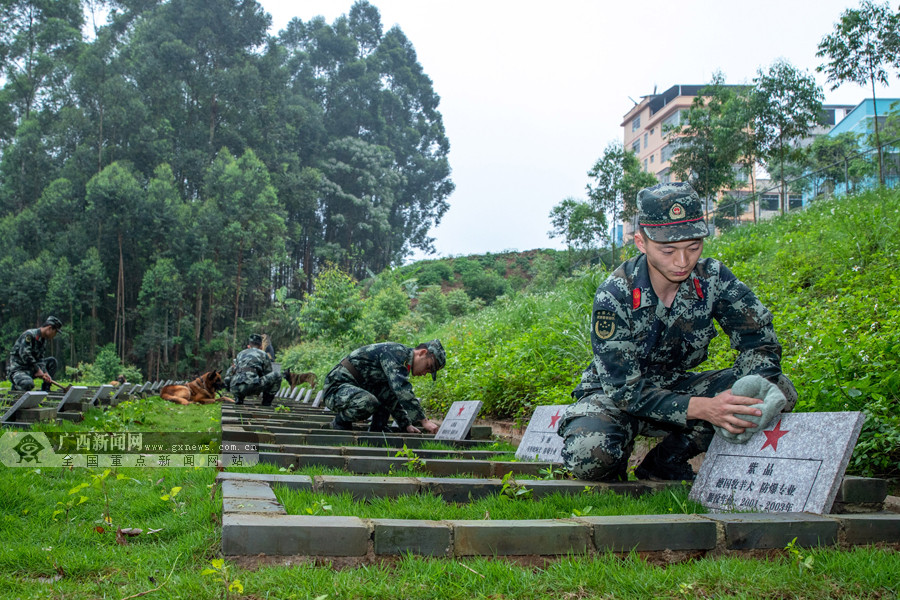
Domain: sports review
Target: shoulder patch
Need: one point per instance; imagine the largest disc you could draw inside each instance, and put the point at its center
(604, 324)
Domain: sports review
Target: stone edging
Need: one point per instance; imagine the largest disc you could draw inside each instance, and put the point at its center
(254, 523)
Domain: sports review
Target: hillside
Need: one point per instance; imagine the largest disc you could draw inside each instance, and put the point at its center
(829, 275)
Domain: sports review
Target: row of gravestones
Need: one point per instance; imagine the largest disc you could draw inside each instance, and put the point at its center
(796, 464)
(21, 410)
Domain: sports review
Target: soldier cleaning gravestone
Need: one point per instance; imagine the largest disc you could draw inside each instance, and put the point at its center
(652, 321)
(373, 381)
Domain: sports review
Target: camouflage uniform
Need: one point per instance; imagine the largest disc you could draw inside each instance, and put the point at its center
(383, 385)
(638, 382)
(251, 373)
(26, 356)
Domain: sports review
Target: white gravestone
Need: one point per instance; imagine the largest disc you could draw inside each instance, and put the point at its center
(796, 464)
(540, 441)
(459, 419)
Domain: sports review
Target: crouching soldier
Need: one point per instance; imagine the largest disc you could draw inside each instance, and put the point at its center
(252, 373)
(27, 361)
(373, 381)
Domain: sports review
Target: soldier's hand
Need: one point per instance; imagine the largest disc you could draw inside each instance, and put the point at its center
(429, 426)
(412, 429)
(725, 410)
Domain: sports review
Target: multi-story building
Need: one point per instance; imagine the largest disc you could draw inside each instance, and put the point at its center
(646, 133)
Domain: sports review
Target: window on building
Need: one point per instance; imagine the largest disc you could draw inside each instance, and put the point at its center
(667, 151)
(768, 202)
(652, 156)
(645, 164)
(636, 146)
(645, 141)
(794, 201)
(673, 120)
(664, 176)
(652, 130)
(740, 174)
(636, 124)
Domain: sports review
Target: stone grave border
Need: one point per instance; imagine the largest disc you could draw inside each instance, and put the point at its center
(255, 523)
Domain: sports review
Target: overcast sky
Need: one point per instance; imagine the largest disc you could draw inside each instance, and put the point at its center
(532, 91)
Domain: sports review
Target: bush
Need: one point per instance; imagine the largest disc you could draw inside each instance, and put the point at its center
(107, 367)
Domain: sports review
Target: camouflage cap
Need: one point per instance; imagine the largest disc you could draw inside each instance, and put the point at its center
(440, 357)
(671, 212)
(255, 339)
(53, 322)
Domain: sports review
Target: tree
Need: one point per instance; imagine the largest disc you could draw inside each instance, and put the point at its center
(786, 105)
(864, 42)
(334, 308)
(710, 142)
(838, 160)
(582, 227)
(617, 178)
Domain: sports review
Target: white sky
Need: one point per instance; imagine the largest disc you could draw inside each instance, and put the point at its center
(531, 92)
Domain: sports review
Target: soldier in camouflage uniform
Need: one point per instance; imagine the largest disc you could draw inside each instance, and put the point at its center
(652, 321)
(373, 381)
(252, 373)
(27, 361)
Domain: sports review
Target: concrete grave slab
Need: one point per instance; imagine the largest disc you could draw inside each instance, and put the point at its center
(16, 412)
(540, 441)
(286, 535)
(72, 396)
(423, 538)
(318, 400)
(520, 538)
(459, 420)
(794, 465)
(761, 531)
(651, 533)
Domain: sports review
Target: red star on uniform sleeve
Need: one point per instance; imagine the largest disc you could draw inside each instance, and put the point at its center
(773, 435)
(554, 419)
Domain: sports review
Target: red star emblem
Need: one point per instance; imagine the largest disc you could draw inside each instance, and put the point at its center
(461, 409)
(553, 420)
(772, 436)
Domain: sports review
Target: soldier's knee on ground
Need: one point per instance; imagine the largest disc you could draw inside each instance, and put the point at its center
(22, 382)
(591, 456)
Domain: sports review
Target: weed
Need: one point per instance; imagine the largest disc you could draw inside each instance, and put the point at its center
(513, 490)
(803, 561)
(220, 572)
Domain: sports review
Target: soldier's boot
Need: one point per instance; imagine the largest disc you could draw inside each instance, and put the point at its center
(668, 460)
(45, 386)
(340, 424)
(267, 398)
(238, 399)
(380, 421)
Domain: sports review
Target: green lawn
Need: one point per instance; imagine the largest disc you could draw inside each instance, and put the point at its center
(52, 550)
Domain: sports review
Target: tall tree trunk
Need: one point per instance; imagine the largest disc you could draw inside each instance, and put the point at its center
(237, 297)
(877, 137)
(119, 332)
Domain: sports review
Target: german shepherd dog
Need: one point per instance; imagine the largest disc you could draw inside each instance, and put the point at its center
(200, 391)
(295, 379)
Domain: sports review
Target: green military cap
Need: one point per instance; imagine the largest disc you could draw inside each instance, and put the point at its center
(440, 357)
(53, 322)
(671, 212)
(255, 339)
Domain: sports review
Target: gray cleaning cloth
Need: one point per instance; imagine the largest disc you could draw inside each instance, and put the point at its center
(773, 402)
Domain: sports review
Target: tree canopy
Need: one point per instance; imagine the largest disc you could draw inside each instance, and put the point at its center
(165, 172)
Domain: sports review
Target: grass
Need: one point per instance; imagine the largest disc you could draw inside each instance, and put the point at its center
(497, 507)
(64, 555)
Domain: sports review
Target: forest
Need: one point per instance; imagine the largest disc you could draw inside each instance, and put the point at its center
(166, 167)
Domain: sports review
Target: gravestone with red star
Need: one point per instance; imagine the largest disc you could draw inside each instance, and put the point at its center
(540, 441)
(795, 464)
(459, 419)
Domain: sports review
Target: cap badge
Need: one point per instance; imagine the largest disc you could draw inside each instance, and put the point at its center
(676, 212)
